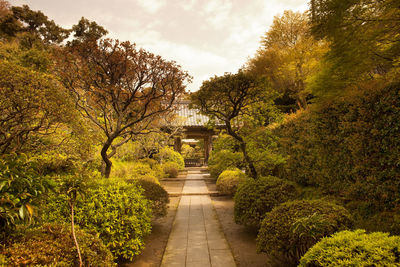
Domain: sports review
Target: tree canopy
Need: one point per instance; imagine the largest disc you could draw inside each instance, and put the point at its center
(120, 88)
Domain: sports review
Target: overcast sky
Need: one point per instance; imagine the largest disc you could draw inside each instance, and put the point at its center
(205, 37)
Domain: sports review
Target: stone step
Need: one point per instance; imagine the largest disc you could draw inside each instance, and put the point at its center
(209, 193)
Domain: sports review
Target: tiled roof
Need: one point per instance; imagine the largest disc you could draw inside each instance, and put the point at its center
(189, 117)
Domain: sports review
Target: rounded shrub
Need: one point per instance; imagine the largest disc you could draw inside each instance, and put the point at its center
(291, 228)
(167, 154)
(53, 244)
(171, 169)
(354, 248)
(228, 181)
(117, 210)
(222, 160)
(255, 197)
(157, 195)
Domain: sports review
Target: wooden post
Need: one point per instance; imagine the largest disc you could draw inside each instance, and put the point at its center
(207, 148)
(178, 144)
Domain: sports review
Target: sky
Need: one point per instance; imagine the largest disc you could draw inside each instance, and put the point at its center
(205, 37)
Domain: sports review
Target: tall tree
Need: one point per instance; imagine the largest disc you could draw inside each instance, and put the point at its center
(289, 56)
(34, 25)
(120, 88)
(228, 98)
(364, 37)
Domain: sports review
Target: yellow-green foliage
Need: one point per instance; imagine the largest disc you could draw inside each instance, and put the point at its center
(167, 154)
(291, 228)
(354, 248)
(53, 244)
(229, 180)
(118, 211)
(171, 169)
(254, 198)
(136, 169)
(156, 194)
(222, 160)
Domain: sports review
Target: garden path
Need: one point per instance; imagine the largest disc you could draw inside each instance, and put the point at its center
(196, 238)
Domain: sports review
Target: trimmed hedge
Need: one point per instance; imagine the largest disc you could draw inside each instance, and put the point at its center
(157, 195)
(222, 160)
(116, 210)
(229, 180)
(255, 197)
(171, 169)
(291, 228)
(354, 248)
(167, 154)
(53, 245)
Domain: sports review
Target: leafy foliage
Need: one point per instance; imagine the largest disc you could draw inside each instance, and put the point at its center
(171, 169)
(254, 198)
(229, 180)
(20, 187)
(348, 146)
(167, 154)
(157, 195)
(116, 210)
(291, 228)
(222, 160)
(354, 248)
(52, 244)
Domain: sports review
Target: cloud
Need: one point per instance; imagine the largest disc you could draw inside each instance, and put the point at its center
(151, 6)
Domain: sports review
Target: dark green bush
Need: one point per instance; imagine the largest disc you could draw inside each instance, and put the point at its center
(222, 160)
(254, 198)
(291, 228)
(354, 248)
(229, 180)
(157, 195)
(115, 209)
(53, 245)
(20, 187)
(171, 169)
(348, 146)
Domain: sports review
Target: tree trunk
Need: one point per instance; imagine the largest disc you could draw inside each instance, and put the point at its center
(106, 159)
(253, 171)
(250, 165)
(74, 235)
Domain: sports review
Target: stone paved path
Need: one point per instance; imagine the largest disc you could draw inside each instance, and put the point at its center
(196, 237)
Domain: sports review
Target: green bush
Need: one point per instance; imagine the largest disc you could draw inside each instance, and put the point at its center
(155, 166)
(157, 195)
(228, 181)
(354, 248)
(167, 154)
(291, 228)
(132, 170)
(348, 146)
(254, 198)
(222, 160)
(20, 187)
(115, 209)
(53, 245)
(171, 169)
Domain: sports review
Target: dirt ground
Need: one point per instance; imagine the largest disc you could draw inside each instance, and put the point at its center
(241, 239)
(157, 241)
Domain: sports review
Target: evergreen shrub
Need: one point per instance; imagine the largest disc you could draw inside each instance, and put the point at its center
(291, 228)
(255, 197)
(222, 160)
(53, 245)
(354, 248)
(229, 180)
(157, 195)
(116, 210)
